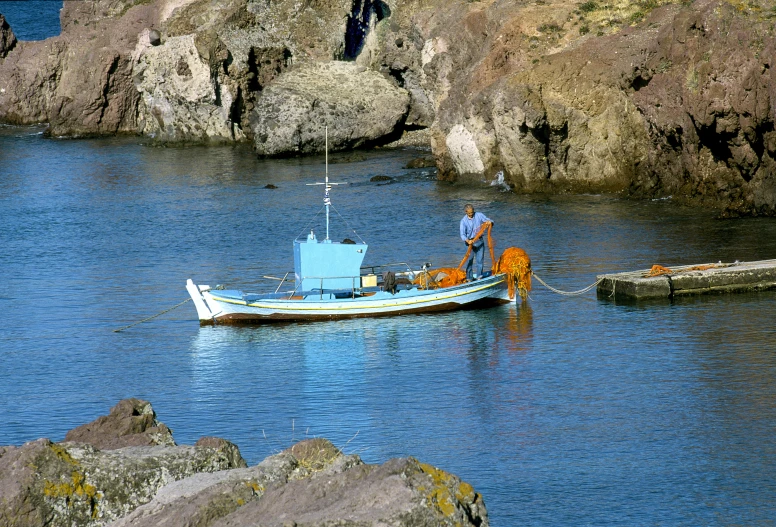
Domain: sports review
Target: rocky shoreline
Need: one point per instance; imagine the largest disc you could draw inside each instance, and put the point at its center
(653, 98)
(124, 469)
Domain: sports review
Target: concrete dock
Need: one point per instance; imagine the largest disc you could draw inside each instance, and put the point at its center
(689, 280)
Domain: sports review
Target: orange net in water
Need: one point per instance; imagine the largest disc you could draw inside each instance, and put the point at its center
(517, 266)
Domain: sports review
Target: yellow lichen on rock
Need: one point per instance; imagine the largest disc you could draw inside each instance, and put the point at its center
(76, 488)
(465, 493)
(62, 453)
(256, 487)
(440, 493)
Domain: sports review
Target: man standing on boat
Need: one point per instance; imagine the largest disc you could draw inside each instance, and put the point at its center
(471, 224)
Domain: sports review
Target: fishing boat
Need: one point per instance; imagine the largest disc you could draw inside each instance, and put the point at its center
(330, 282)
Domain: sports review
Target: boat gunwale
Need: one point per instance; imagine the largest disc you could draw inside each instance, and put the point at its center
(420, 296)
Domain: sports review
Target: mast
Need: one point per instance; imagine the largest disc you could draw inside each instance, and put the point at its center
(326, 198)
(327, 185)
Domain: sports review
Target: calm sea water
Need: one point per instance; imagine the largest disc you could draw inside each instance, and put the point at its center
(32, 19)
(561, 411)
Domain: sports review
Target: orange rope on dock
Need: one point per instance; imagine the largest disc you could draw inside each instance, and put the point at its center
(659, 270)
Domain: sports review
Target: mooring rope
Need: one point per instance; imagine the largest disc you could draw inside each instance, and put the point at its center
(154, 316)
(568, 293)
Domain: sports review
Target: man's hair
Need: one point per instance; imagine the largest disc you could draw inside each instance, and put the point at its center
(468, 207)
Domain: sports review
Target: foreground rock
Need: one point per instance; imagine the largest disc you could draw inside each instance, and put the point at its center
(311, 483)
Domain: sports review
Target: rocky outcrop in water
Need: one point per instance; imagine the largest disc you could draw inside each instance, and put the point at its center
(7, 38)
(312, 483)
(651, 99)
(581, 97)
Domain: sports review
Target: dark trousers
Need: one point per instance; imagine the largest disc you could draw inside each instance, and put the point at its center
(476, 260)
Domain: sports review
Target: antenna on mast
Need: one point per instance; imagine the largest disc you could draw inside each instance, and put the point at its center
(327, 185)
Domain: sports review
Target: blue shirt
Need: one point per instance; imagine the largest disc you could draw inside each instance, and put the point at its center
(471, 226)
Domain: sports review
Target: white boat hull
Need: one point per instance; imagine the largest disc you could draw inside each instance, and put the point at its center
(215, 307)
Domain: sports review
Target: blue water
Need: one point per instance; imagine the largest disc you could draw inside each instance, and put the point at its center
(562, 411)
(32, 19)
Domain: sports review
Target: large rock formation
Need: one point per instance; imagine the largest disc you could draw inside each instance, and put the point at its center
(312, 483)
(359, 106)
(649, 98)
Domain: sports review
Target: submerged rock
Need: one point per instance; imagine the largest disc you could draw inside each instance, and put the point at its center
(421, 162)
(311, 483)
(380, 179)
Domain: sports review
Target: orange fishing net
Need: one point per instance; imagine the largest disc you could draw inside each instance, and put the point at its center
(442, 277)
(517, 266)
(514, 262)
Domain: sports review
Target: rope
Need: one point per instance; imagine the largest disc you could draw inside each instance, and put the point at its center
(154, 316)
(568, 293)
(347, 224)
(309, 223)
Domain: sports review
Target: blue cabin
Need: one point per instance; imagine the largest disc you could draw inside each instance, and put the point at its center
(327, 265)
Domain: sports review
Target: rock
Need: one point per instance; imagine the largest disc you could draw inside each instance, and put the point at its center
(401, 492)
(270, 186)
(7, 38)
(44, 483)
(647, 99)
(180, 100)
(421, 162)
(75, 483)
(359, 107)
(380, 178)
(29, 80)
(80, 81)
(311, 483)
(132, 422)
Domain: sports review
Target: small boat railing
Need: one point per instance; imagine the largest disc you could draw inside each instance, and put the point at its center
(322, 278)
(396, 264)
